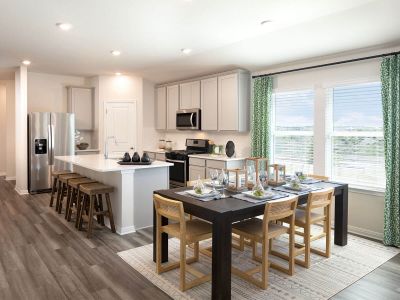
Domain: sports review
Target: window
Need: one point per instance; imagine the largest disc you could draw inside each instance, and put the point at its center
(293, 130)
(355, 131)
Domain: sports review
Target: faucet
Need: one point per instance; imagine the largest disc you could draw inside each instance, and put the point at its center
(106, 146)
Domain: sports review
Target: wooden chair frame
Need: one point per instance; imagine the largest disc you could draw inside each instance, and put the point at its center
(274, 211)
(317, 199)
(173, 210)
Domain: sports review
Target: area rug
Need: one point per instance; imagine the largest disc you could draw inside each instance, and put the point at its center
(325, 278)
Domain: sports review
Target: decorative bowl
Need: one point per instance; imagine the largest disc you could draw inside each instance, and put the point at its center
(82, 146)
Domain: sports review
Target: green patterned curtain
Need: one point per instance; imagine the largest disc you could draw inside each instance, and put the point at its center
(260, 117)
(390, 76)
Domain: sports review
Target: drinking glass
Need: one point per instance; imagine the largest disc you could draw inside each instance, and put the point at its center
(214, 177)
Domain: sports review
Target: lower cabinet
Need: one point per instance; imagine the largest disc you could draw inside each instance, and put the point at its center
(195, 172)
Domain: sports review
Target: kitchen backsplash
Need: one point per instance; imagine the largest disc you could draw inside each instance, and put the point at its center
(241, 140)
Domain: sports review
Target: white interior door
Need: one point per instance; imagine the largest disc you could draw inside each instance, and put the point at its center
(120, 124)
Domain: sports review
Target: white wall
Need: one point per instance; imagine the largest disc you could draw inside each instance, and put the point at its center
(8, 120)
(150, 134)
(3, 130)
(47, 92)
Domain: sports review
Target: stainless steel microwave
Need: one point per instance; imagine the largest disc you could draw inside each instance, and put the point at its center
(188, 119)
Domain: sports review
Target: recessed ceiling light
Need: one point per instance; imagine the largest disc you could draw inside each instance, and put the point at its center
(265, 22)
(64, 26)
(26, 62)
(118, 74)
(115, 52)
(186, 50)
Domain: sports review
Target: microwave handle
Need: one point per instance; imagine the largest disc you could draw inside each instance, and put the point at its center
(191, 119)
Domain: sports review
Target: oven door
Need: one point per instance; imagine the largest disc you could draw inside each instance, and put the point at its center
(188, 119)
(177, 173)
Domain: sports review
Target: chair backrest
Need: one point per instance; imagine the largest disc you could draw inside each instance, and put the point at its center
(168, 208)
(277, 210)
(320, 177)
(321, 198)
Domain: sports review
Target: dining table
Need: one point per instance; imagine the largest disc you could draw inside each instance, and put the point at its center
(221, 213)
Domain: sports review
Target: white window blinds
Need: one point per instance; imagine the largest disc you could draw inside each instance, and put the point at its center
(357, 149)
(293, 125)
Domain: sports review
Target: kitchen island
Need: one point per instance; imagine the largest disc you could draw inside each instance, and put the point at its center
(132, 199)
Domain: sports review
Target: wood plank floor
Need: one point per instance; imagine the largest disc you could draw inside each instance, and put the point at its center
(43, 257)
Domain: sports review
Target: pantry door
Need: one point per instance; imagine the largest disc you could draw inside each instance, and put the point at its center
(120, 127)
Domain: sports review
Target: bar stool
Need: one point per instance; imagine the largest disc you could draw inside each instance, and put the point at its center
(63, 188)
(91, 193)
(54, 175)
(75, 197)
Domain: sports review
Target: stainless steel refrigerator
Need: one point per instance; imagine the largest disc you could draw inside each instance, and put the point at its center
(49, 135)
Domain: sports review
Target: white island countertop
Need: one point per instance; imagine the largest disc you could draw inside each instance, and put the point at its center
(98, 163)
(216, 157)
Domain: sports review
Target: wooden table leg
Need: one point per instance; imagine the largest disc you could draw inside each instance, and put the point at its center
(341, 217)
(164, 239)
(221, 257)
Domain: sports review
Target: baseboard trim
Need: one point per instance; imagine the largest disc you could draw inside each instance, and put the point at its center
(365, 232)
(21, 192)
(125, 230)
(10, 178)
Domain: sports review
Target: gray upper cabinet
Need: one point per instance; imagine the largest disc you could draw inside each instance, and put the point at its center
(172, 106)
(161, 108)
(209, 104)
(81, 103)
(224, 100)
(189, 95)
(234, 102)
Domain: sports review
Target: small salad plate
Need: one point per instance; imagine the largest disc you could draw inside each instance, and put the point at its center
(204, 194)
(265, 195)
(300, 188)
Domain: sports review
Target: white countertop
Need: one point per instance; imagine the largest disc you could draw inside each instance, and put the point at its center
(216, 157)
(98, 163)
(87, 150)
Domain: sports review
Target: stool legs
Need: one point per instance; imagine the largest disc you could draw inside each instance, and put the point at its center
(110, 213)
(53, 190)
(60, 192)
(91, 209)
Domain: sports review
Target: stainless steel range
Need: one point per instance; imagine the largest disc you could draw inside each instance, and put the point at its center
(179, 172)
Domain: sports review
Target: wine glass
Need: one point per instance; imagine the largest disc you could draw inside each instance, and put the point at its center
(214, 177)
(223, 180)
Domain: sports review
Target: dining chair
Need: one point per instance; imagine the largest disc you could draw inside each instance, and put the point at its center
(263, 231)
(188, 232)
(320, 177)
(321, 199)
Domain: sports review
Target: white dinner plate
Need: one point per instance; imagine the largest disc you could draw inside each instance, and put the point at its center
(206, 193)
(266, 195)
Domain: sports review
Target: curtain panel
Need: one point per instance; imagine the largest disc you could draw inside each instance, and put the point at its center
(390, 77)
(260, 117)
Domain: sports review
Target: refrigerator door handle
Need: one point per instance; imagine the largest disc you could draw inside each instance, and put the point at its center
(51, 145)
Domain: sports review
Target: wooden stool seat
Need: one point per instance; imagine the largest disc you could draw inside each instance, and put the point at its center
(96, 188)
(92, 205)
(60, 172)
(74, 196)
(63, 188)
(55, 175)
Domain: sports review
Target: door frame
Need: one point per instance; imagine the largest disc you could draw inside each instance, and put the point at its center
(105, 103)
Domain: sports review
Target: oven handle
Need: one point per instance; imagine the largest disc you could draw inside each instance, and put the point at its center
(175, 161)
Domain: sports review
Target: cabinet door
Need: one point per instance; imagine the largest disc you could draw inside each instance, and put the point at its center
(195, 172)
(209, 104)
(120, 123)
(81, 104)
(161, 107)
(228, 102)
(189, 96)
(172, 105)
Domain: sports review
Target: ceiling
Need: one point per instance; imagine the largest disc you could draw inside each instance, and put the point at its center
(222, 34)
